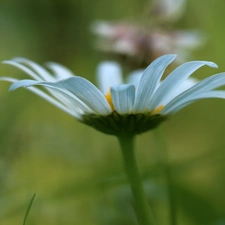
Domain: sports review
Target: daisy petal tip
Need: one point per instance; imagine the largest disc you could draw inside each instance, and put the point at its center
(22, 83)
(108, 65)
(169, 56)
(6, 61)
(211, 64)
(12, 87)
(18, 59)
(172, 55)
(9, 62)
(15, 86)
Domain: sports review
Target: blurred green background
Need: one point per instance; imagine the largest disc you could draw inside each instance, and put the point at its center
(77, 172)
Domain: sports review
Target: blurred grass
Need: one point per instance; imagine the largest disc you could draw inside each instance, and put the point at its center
(77, 172)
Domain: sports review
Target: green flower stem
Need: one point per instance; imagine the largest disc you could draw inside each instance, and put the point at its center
(142, 209)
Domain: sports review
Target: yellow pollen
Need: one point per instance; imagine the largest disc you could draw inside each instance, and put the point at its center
(108, 97)
(157, 110)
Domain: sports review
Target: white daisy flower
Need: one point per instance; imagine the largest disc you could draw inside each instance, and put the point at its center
(118, 108)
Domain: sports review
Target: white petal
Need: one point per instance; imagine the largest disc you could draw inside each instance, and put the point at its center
(9, 79)
(70, 109)
(44, 74)
(123, 98)
(22, 83)
(174, 80)
(202, 87)
(150, 81)
(134, 77)
(199, 96)
(108, 75)
(87, 93)
(60, 71)
(76, 103)
(80, 88)
(41, 75)
(23, 68)
(45, 96)
(190, 82)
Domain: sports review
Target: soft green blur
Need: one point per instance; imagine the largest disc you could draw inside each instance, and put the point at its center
(77, 172)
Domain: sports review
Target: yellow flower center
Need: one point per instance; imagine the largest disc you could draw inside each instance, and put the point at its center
(157, 110)
(108, 97)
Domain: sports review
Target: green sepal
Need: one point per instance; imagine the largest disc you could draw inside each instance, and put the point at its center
(123, 124)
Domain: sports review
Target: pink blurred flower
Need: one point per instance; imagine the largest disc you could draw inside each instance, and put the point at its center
(142, 45)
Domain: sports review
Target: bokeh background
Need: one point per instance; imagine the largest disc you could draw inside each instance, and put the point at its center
(77, 172)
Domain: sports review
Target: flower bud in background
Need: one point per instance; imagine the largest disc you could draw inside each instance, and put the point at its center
(137, 44)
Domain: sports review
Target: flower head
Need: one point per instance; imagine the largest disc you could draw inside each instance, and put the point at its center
(118, 108)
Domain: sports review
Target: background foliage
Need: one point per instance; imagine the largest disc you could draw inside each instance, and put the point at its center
(76, 171)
